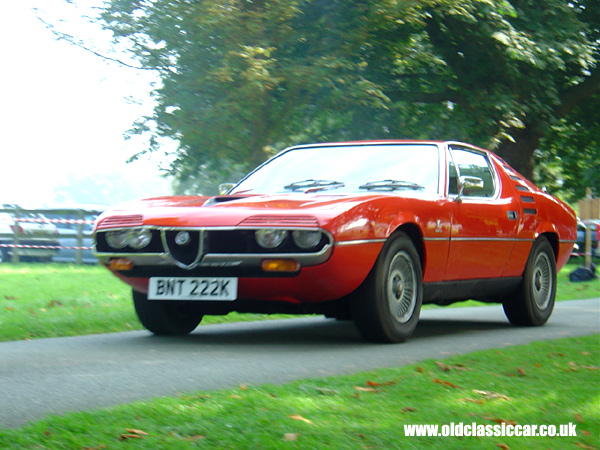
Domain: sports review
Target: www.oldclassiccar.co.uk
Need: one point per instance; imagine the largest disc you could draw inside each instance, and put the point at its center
(480, 430)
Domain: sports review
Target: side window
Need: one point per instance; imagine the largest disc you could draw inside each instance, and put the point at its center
(467, 163)
(452, 179)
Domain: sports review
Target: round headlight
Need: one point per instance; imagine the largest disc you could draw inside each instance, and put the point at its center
(139, 238)
(270, 238)
(117, 239)
(306, 239)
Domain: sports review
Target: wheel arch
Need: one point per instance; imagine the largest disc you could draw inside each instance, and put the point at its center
(553, 239)
(413, 231)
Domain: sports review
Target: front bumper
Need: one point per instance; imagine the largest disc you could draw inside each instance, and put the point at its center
(346, 268)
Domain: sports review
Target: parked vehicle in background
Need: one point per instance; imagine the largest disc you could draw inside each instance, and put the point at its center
(26, 233)
(361, 230)
(74, 226)
(582, 226)
(595, 227)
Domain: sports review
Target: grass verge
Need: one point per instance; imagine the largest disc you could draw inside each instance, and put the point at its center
(52, 300)
(544, 383)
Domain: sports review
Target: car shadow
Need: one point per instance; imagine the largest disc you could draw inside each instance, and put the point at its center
(311, 331)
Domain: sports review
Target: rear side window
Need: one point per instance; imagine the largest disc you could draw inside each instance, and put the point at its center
(468, 163)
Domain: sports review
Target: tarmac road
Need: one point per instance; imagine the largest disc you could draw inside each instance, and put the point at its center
(53, 376)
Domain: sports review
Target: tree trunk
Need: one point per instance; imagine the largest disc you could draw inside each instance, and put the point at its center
(519, 154)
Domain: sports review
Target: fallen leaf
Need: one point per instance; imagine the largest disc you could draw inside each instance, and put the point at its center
(126, 436)
(408, 409)
(299, 417)
(365, 389)
(585, 353)
(420, 369)
(443, 367)
(491, 395)
(471, 400)
(445, 383)
(134, 431)
(503, 446)
(386, 383)
(590, 367)
(538, 365)
(521, 372)
(578, 418)
(588, 447)
(501, 421)
(586, 433)
(243, 388)
(235, 396)
(292, 437)
(573, 366)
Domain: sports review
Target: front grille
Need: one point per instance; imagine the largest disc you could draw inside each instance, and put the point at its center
(186, 252)
(243, 241)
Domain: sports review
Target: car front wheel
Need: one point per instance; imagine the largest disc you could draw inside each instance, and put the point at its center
(386, 307)
(533, 301)
(166, 317)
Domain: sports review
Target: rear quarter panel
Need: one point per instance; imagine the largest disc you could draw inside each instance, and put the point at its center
(540, 214)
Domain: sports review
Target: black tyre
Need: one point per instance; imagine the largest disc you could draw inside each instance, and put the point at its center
(386, 307)
(533, 301)
(166, 317)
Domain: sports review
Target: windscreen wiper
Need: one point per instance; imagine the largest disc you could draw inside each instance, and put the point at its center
(390, 185)
(311, 185)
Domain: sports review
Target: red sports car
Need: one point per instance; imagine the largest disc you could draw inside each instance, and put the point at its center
(362, 230)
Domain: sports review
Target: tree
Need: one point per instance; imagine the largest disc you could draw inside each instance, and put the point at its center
(241, 78)
(570, 153)
(511, 70)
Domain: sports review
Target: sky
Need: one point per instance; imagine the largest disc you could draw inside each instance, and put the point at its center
(64, 110)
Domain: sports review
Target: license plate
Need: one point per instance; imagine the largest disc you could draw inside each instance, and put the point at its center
(192, 288)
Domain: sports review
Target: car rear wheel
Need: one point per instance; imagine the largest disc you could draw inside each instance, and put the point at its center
(533, 301)
(386, 307)
(166, 317)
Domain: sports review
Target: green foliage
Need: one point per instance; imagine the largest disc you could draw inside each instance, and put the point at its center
(242, 79)
(571, 152)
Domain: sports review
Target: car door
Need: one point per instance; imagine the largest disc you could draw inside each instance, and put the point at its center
(484, 223)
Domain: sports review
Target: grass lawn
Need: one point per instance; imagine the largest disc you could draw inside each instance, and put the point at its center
(50, 300)
(544, 383)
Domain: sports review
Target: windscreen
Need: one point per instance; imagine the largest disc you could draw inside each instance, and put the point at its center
(348, 169)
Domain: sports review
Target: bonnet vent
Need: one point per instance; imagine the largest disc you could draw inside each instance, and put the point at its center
(134, 220)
